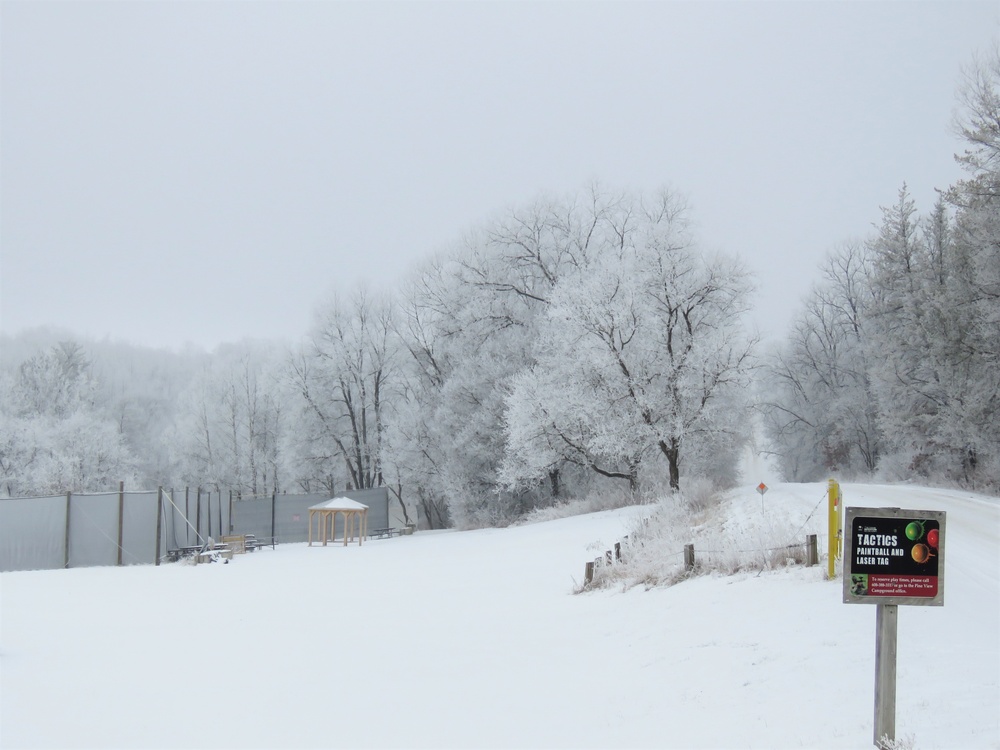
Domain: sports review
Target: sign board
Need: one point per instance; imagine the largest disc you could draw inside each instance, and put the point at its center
(762, 488)
(894, 556)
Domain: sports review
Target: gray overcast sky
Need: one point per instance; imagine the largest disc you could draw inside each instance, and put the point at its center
(202, 172)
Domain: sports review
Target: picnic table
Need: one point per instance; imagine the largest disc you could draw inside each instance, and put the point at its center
(252, 542)
(383, 533)
(199, 551)
(229, 545)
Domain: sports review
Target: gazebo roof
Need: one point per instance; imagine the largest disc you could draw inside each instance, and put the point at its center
(339, 503)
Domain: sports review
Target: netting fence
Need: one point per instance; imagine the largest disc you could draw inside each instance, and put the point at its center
(142, 527)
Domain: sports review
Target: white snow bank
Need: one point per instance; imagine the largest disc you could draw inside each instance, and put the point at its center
(473, 639)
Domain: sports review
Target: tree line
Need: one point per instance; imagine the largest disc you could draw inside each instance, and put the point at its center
(574, 345)
(893, 364)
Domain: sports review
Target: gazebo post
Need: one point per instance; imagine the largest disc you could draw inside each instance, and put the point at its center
(310, 528)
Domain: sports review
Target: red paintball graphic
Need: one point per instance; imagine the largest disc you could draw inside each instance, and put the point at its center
(932, 538)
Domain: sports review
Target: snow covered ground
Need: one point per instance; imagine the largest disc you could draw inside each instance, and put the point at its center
(474, 639)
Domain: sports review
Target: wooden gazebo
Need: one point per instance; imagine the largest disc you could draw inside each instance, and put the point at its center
(355, 520)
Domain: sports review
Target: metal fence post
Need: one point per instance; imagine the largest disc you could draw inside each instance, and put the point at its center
(66, 538)
(812, 550)
(159, 522)
(121, 517)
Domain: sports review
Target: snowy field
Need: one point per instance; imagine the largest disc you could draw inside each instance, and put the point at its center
(474, 639)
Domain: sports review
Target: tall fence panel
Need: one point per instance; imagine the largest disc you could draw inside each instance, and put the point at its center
(32, 533)
(286, 517)
(291, 516)
(139, 528)
(121, 528)
(176, 532)
(93, 530)
(253, 516)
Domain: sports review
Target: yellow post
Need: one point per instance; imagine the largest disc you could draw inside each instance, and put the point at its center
(835, 531)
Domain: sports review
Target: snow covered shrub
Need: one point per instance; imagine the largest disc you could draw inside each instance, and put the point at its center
(610, 497)
(730, 532)
(905, 742)
(700, 495)
(486, 510)
(653, 552)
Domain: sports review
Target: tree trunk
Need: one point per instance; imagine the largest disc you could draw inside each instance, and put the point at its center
(672, 451)
(398, 492)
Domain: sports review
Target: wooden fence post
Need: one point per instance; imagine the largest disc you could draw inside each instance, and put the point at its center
(689, 557)
(607, 557)
(159, 522)
(197, 513)
(588, 575)
(812, 550)
(187, 517)
(618, 551)
(121, 514)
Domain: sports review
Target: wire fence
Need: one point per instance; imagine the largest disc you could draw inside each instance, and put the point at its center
(805, 552)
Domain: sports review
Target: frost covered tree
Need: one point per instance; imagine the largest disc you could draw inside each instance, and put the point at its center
(974, 288)
(344, 378)
(911, 383)
(53, 436)
(819, 411)
(938, 319)
(232, 423)
(642, 352)
(414, 460)
(461, 344)
(471, 320)
(55, 383)
(142, 390)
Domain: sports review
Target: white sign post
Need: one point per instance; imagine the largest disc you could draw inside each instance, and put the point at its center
(893, 557)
